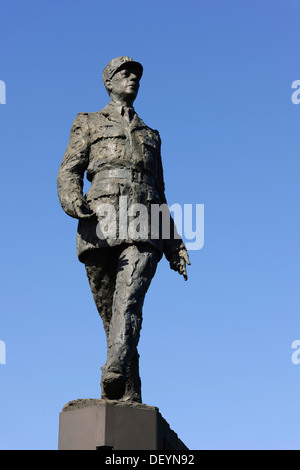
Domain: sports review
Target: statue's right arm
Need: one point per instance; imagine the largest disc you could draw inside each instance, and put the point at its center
(73, 166)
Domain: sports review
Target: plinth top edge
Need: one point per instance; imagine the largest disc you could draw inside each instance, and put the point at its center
(84, 402)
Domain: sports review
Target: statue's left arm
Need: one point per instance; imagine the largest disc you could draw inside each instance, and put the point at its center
(174, 248)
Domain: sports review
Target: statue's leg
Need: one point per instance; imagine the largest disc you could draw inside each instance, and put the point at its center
(101, 269)
(136, 268)
(133, 390)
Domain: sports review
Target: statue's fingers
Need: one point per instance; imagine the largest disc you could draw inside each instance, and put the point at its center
(186, 258)
(182, 270)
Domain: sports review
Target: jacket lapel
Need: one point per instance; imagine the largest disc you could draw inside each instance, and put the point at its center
(112, 114)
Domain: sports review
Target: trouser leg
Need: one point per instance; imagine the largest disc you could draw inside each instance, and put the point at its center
(136, 268)
(119, 279)
(133, 389)
(101, 269)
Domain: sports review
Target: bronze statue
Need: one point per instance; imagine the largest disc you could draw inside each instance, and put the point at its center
(121, 157)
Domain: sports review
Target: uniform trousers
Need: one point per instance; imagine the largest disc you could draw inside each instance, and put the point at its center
(119, 278)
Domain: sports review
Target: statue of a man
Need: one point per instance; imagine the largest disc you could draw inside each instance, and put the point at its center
(122, 160)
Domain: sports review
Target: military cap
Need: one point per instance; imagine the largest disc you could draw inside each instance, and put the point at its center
(118, 63)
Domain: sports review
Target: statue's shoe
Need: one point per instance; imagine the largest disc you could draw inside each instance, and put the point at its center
(113, 385)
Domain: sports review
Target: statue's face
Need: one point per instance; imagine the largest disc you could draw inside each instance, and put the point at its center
(125, 85)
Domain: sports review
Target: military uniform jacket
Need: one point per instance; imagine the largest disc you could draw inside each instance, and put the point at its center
(120, 158)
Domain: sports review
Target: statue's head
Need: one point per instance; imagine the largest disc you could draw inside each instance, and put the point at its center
(121, 78)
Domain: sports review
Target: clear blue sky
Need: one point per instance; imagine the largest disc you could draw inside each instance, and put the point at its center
(216, 350)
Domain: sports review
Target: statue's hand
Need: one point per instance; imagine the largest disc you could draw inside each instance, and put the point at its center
(82, 209)
(179, 261)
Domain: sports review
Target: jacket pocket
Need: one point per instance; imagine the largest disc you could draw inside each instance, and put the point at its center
(107, 132)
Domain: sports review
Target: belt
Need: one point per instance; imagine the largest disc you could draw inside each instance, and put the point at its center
(132, 175)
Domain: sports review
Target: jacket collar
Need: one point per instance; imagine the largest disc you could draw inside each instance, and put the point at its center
(113, 112)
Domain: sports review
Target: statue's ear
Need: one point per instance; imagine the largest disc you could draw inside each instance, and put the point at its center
(108, 86)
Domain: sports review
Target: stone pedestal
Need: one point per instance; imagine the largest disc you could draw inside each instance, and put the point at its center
(91, 424)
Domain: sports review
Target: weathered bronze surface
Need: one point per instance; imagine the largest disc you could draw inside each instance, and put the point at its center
(121, 157)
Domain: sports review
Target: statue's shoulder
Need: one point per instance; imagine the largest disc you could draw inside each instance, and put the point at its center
(81, 117)
(99, 115)
(80, 122)
(153, 132)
